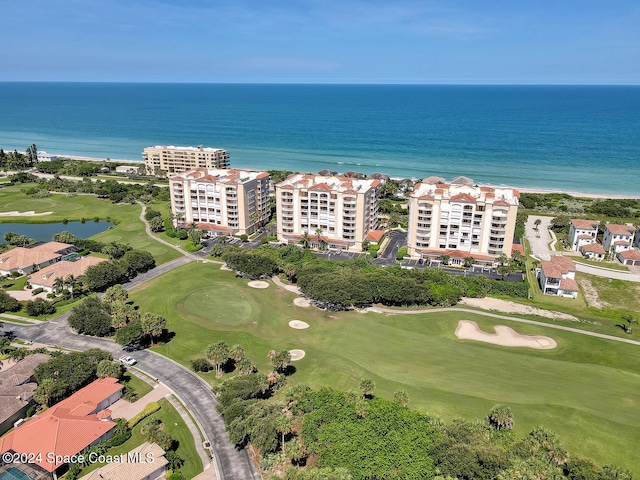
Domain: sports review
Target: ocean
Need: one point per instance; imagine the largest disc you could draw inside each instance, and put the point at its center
(566, 138)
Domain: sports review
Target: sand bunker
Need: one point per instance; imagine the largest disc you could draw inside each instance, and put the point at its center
(30, 213)
(224, 267)
(258, 284)
(298, 324)
(504, 336)
(296, 355)
(301, 302)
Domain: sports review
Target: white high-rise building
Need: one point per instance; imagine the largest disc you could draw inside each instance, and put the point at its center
(172, 160)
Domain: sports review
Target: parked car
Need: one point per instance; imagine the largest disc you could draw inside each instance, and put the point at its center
(127, 360)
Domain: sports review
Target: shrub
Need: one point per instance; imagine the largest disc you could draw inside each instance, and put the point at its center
(189, 247)
(148, 410)
(201, 365)
(39, 306)
(182, 235)
(37, 291)
(8, 303)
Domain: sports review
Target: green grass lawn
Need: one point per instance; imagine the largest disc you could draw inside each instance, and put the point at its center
(586, 389)
(186, 446)
(597, 263)
(129, 229)
(139, 386)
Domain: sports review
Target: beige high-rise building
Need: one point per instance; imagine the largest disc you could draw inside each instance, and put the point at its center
(338, 212)
(460, 221)
(172, 160)
(223, 201)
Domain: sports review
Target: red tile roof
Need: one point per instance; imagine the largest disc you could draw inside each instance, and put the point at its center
(463, 197)
(585, 236)
(517, 248)
(501, 203)
(569, 285)
(622, 243)
(630, 254)
(66, 428)
(375, 235)
(617, 229)
(593, 248)
(582, 224)
(557, 266)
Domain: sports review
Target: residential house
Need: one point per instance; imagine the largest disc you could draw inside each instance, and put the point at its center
(146, 462)
(26, 259)
(582, 232)
(557, 277)
(629, 257)
(336, 211)
(617, 238)
(594, 251)
(66, 428)
(223, 201)
(128, 169)
(17, 385)
(46, 278)
(460, 220)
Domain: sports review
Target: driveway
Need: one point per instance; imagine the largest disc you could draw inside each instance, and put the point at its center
(397, 240)
(539, 239)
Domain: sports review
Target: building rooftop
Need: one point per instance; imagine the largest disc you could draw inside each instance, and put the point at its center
(230, 176)
(62, 269)
(582, 224)
(334, 183)
(66, 428)
(617, 229)
(15, 388)
(570, 285)
(557, 266)
(632, 254)
(21, 257)
(149, 458)
(189, 149)
(375, 235)
(465, 194)
(593, 248)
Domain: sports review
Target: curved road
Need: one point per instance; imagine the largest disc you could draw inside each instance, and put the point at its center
(194, 392)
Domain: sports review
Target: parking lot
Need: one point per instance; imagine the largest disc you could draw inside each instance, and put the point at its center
(474, 270)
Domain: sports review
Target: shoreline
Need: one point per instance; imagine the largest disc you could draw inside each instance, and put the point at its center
(542, 190)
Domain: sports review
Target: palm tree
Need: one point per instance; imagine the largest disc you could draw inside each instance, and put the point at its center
(401, 397)
(305, 240)
(218, 353)
(236, 353)
(283, 426)
(58, 284)
(445, 259)
(501, 417)
(537, 224)
(44, 392)
(468, 262)
(361, 408)
(367, 386)
(153, 325)
(71, 282)
(245, 367)
(318, 232)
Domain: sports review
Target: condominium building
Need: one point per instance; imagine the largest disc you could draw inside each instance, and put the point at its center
(172, 160)
(336, 212)
(229, 202)
(460, 220)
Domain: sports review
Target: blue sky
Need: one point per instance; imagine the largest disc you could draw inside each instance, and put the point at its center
(322, 41)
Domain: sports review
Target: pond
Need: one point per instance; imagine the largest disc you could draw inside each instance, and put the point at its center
(43, 232)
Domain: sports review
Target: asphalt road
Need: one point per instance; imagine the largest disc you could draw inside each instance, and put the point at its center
(539, 239)
(397, 239)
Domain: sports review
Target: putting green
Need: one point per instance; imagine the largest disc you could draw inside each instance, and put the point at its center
(210, 307)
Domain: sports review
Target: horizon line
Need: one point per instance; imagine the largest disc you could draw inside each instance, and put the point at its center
(141, 82)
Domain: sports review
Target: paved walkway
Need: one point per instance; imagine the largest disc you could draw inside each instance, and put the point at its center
(9, 317)
(127, 410)
(538, 239)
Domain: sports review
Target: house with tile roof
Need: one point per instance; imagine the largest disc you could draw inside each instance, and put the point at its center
(618, 238)
(557, 277)
(594, 251)
(66, 428)
(338, 212)
(26, 259)
(582, 232)
(220, 201)
(17, 385)
(146, 462)
(46, 277)
(629, 257)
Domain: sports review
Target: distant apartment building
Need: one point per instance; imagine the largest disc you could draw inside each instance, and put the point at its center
(220, 201)
(582, 232)
(557, 277)
(617, 238)
(459, 220)
(336, 212)
(172, 160)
